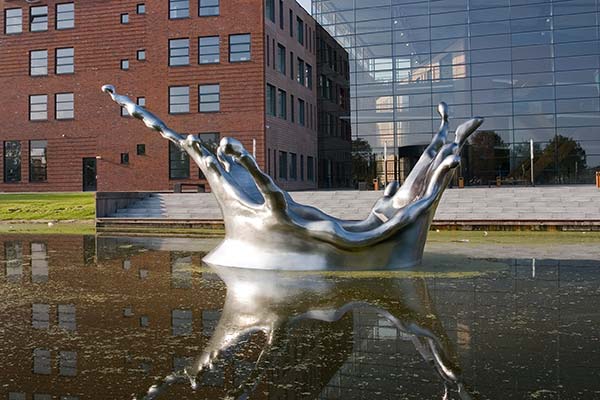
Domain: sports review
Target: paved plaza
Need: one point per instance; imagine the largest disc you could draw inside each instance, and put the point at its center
(505, 204)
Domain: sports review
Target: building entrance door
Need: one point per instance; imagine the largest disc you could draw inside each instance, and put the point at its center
(89, 174)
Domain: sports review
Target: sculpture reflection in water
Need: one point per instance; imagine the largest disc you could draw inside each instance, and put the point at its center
(266, 229)
(275, 305)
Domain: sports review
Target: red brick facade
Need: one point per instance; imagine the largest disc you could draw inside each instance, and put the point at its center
(97, 131)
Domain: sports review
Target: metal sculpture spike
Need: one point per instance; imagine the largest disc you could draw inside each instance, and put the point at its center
(266, 229)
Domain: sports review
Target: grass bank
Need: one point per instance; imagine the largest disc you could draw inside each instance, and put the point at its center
(56, 228)
(524, 238)
(47, 207)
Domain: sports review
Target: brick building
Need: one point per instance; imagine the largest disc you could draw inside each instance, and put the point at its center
(241, 68)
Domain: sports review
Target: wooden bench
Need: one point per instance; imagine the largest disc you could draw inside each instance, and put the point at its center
(200, 188)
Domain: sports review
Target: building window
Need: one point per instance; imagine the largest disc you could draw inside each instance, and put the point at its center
(207, 8)
(38, 19)
(42, 364)
(38, 161)
(282, 109)
(65, 106)
(140, 8)
(209, 98)
(281, 22)
(38, 107)
(140, 149)
(38, 62)
(291, 23)
(300, 30)
(65, 16)
(281, 57)
(125, 18)
(292, 65)
(65, 60)
(208, 49)
(210, 140)
(179, 99)
(239, 47)
(301, 112)
(283, 165)
(310, 169)
(293, 108)
(141, 55)
(301, 72)
(179, 52)
(309, 76)
(125, 158)
(13, 21)
(270, 9)
(12, 161)
(301, 167)
(179, 162)
(271, 100)
(125, 65)
(179, 9)
(293, 166)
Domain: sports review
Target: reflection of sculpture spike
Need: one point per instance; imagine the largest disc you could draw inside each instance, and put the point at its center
(266, 228)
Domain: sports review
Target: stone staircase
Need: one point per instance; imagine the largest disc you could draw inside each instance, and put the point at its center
(549, 203)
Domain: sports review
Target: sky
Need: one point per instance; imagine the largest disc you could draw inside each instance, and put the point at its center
(305, 4)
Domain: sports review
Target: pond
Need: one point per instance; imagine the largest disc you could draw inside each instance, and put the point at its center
(85, 317)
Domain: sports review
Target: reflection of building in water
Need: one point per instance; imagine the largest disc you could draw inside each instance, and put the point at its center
(86, 319)
(531, 70)
(370, 368)
(335, 137)
(532, 328)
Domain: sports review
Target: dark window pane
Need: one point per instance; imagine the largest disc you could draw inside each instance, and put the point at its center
(271, 101)
(38, 161)
(12, 161)
(179, 163)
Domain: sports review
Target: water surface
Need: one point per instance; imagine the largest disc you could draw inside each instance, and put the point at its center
(121, 318)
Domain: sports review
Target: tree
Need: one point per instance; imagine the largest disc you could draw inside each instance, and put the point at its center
(486, 157)
(568, 159)
(563, 160)
(363, 161)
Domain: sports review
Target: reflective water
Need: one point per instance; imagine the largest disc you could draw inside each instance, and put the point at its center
(86, 318)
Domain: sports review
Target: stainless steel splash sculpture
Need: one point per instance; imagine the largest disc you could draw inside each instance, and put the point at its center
(266, 229)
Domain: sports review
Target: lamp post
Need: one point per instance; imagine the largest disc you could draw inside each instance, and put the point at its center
(385, 171)
(531, 159)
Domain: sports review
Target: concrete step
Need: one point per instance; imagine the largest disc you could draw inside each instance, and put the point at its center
(580, 202)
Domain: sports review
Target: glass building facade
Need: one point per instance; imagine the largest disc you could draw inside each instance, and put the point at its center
(530, 67)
